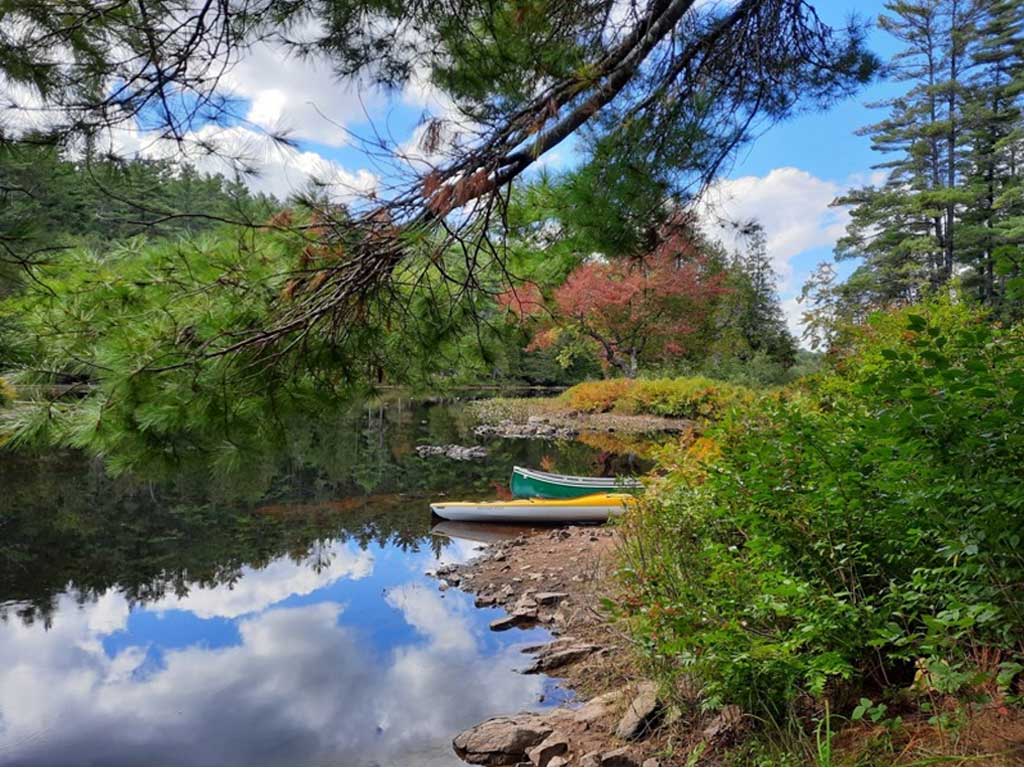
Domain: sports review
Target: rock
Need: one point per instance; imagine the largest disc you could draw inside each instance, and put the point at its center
(554, 659)
(557, 762)
(456, 452)
(501, 740)
(591, 759)
(553, 746)
(485, 601)
(598, 707)
(651, 762)
(724, 726)
(640, 714)
(621, 756)
(550, 598)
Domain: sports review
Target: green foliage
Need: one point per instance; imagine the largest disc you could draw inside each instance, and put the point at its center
(845, 531)
(688, 398)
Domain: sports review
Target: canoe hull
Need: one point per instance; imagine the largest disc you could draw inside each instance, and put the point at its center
(591, 509)
(530, 484)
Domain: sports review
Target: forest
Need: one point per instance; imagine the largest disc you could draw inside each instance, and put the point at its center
(834, 548)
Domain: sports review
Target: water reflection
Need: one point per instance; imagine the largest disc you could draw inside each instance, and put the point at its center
(211, 620)
(328, 673)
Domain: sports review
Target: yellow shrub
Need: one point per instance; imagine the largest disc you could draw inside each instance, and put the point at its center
(597, 396)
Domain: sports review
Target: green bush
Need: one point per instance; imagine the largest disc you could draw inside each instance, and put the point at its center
(688, 398)
(869, 527)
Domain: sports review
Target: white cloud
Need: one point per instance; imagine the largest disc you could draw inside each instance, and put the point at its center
(792, 204)
(257, 589)
(299, 687)
(275, 168)
(299, 95)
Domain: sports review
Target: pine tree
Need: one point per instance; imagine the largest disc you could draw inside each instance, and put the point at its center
(994, 117)
(906, 230)
(761, 321)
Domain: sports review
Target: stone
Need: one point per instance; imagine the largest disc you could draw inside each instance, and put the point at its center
(622, 756)
(591, 759)
(456, 452)
(598, 707)
(485, 601)
(505, 622)
(557, 762)
(651, 762)
(724, 726)
(501, 740)
(555, 659)
(641, 713)
(553, 746)
(550, 598)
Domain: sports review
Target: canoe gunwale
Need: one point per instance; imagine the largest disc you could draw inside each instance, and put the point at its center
(572, 480)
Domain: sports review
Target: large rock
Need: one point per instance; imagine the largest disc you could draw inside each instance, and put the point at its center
(550, 598)
(501, 740)
(598, 708)
(641, 713)
(553, 746)
(556, 658)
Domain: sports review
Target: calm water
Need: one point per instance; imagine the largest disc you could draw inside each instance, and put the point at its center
(280, 615)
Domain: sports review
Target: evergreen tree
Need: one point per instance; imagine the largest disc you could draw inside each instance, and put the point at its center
(995, 128)
(906, 229)
(761, 321)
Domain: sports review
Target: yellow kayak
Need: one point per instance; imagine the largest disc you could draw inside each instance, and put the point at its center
(595, 508)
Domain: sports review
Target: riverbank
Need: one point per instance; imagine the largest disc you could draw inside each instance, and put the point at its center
(562, 579)
(559, 579)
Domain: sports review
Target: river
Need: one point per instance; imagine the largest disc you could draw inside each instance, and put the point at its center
(279, 614)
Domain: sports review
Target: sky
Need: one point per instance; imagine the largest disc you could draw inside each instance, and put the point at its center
(787, 178)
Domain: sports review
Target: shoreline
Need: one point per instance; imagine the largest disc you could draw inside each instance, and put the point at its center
(556, 579)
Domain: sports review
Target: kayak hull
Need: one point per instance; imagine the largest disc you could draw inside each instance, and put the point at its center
(596, 508)
(531, 484)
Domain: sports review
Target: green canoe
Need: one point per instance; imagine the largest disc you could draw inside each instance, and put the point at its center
(531, 484)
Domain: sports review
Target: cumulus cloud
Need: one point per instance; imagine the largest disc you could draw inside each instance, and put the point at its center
(257, 589)
(792, 204)
(299, 687)
(264, 164)
(298, 95)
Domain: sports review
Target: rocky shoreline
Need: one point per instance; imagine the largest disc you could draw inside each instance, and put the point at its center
(555, 579)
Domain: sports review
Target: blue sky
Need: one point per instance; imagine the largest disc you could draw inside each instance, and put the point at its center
(786, 179)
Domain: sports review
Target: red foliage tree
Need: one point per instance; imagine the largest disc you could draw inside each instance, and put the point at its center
(643, 310)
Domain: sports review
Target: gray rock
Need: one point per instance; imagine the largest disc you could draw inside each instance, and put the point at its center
(651, 762)
(598, 707)
(557, 762)
(591, 759)
(641, 713)
(553, 746)
(550, 598)
(622, 756)
(501, 740)
(555, 659)
(456, 452)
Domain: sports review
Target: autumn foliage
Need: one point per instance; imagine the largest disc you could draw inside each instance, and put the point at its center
(632, 311)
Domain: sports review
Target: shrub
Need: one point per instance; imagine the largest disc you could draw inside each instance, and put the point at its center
(691, 398)
(597, 396)
(687, 398)
(870, 525)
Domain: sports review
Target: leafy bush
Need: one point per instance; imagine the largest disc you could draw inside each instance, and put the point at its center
(597, 396)
(866, 528)
(689, 398)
